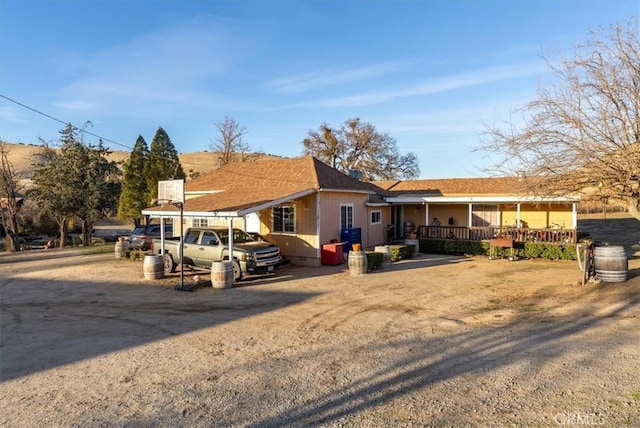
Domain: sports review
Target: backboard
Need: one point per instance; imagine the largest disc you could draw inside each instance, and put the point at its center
(171, 190)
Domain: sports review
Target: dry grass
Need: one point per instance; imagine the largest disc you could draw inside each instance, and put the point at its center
(23, 157)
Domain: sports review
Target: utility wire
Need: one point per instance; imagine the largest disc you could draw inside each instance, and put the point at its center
(129, 148)
(82, 130)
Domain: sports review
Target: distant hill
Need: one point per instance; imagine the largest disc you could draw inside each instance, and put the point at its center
(22, 157)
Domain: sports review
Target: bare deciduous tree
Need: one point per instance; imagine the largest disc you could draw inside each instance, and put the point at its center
(10, 200)
(229, 145)
(358, 146)
(582, 135)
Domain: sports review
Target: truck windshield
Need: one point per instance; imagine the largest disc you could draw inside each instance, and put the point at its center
(239, 236)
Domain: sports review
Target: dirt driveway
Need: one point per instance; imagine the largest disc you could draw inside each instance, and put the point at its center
(433, 341)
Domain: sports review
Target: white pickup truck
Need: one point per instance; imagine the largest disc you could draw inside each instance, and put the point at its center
(203, 246)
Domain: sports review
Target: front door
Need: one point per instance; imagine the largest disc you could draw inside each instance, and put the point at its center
(396, 222)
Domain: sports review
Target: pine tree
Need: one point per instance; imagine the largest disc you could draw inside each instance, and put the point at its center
(134, 196)
(162, 163)
(101, 186)
(54, 181)
(76, 182)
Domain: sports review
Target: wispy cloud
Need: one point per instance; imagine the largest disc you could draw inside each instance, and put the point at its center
(432, 86)
(326, 78)
(10, 113)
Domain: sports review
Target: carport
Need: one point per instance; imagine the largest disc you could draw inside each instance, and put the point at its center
(171, 206)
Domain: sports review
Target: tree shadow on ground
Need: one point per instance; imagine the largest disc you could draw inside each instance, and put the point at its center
(418, 363)
(46, 324)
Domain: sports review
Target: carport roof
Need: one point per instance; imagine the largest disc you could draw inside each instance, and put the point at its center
(237, 189)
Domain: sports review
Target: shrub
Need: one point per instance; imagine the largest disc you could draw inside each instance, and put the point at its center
(529, 250)
(400, 252)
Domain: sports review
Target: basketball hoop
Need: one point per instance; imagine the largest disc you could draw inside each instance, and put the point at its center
(171, 191)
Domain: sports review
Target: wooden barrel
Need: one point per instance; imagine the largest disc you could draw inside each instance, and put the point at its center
(153, 267)
(222, 274)
(386, 255)
(416, 245)
(119, 249)
(611, 263)
(357, 263)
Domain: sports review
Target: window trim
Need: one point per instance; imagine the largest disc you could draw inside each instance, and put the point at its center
(347, 205)
(371, 213)
(292, 207)
(200, 222)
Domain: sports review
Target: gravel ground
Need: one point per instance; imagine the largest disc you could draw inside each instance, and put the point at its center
(86, 341)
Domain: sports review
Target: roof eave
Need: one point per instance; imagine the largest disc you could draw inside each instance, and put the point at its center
(226, 214)
(367, 192)
(480, 199)
(276, 202)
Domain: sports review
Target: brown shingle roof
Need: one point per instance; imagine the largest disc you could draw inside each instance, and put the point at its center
(246, 184)
(456, 186)
(279, 175)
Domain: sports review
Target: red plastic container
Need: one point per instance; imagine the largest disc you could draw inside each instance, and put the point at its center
(333, 254)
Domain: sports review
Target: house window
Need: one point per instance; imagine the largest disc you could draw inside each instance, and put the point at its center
(484, 215)
(376, 217)
(346, 216)
(200, 222)
(284, 219)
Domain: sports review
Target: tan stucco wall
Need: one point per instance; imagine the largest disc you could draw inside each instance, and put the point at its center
(318, 222)
(538, 216)
(417, 213)
(300, 248)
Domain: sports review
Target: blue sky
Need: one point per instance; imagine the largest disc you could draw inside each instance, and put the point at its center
(431, 74)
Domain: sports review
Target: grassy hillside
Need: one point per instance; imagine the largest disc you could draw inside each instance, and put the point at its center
(23, 156)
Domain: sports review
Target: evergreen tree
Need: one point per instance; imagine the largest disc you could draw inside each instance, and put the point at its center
(162, 163)
(76, 182)
(101, 186)
(134, 196)
(54, 181)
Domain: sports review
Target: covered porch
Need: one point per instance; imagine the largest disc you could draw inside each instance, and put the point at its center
(557, 236)
(523, 219)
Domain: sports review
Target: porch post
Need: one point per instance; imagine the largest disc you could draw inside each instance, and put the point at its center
(426, 214)
(518, 215)
(231, 239)
(470, 215)
(575, 216)
(162, 237)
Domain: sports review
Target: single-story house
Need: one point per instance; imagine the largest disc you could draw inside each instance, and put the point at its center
(297, 203)
(302, 204)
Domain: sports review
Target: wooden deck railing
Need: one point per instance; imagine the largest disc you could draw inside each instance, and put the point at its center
(548, 235)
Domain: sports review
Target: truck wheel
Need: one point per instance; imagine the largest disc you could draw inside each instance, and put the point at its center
(169, 265)
(237, 272)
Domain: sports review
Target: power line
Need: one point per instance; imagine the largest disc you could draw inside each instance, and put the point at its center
(84, 131)
(63, 122)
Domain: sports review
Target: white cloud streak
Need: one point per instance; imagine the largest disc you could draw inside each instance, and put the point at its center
(433, 86)
(317, 80)
(443, 84)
